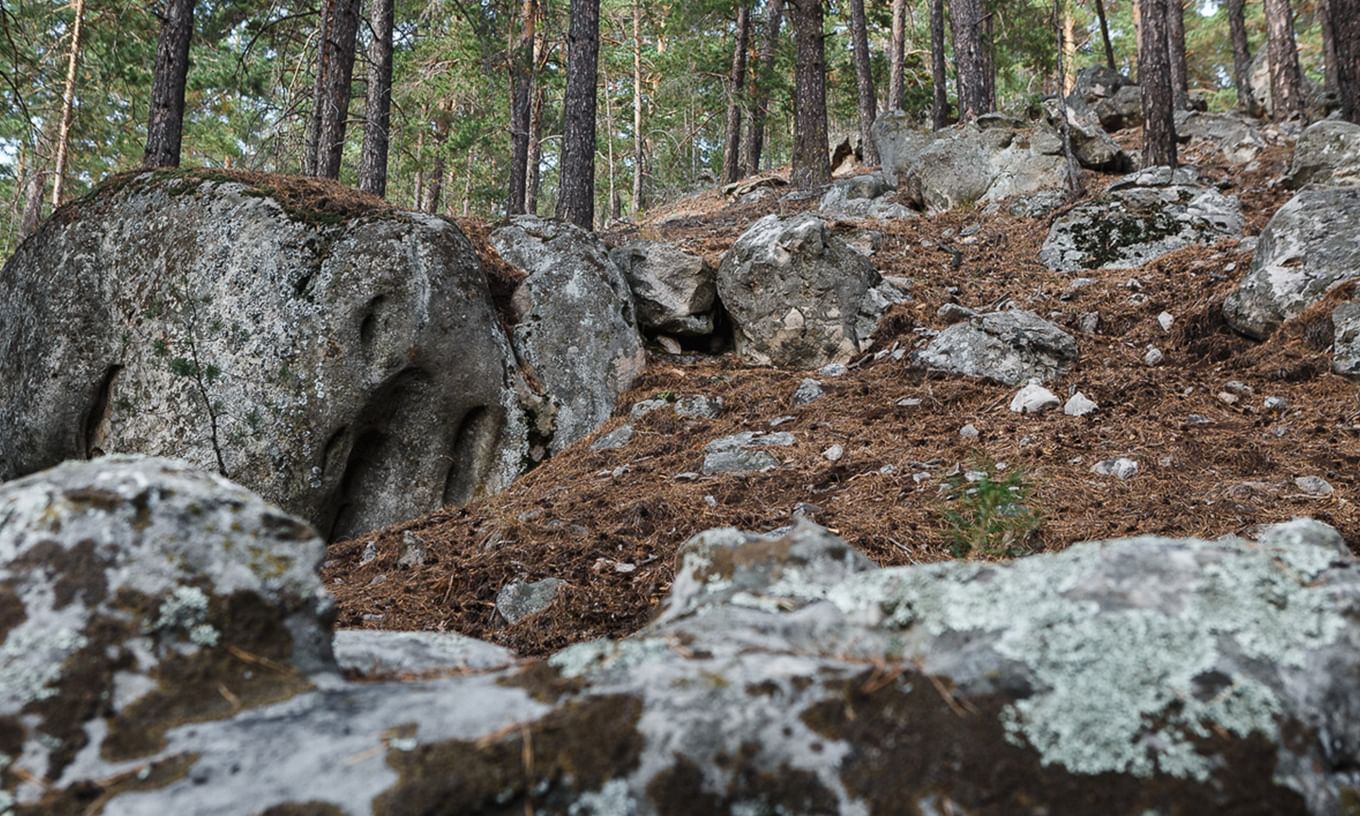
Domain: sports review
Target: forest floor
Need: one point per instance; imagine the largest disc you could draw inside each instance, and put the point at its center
(609, 522)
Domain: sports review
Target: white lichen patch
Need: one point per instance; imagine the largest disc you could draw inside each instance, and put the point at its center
(613, 799)
(24, 679)
(598, 657)
(185, 611)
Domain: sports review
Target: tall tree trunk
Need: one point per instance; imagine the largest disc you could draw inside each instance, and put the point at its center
(612, 207)
(1329, 55)
(68, 104)
(639, 148)
(988, 57)
(418, 182)
(1237, 24)
(34, 185)
(165, 125)
(970, 64)
(864, 82)
(1286, 78)
(435, 191)
(576, 193)
(1346, 28)
(1154, 75)
(378, 104)
(1062, 16)
(535, 152)
(1068, 55)
(760, 94)
(897, 72)
(1104, 35)
(811, 154)
(939, 109)
(736, 88)
(319, 85)
(338, 49)
(1175, 45)
(521, 102)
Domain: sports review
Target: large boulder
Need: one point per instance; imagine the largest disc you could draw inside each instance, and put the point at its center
(1238, 137)
(674, 290)
(1139, 219)
(1011, 347)
(1327, 153)
(784, 674)
(1113, 99)
(340, 357)
(798, 296)
(1310, 246)
(575, 324)
(1091, 145)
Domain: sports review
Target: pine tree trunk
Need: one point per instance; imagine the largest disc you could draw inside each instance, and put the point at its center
(1346, 29)
(435, 192)
(1175, 44)
(1154, 75)
(1105, 35)
(736, 88)
(378, 104)
(576, 193)
(811, 154)
(319, 85)
(165, 125)
(639, 151)
(418, 182)
(939, 109)
(34, 185)
(970, 64)
(1062, 25)
(1237, 23)
(897, 74)
(988, 51)
(535, 152)
(1286, 78)
(521, 100)
(611, 193)
(1068, 56)
(68, 103)
(864, 83)
(1329, 55)
(338, 47)
(760, 94)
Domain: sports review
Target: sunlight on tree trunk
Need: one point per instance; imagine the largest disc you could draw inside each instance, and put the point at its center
(1286, 78)
(68, 103)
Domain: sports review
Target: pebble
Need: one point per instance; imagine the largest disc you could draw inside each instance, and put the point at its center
(1122, 468)
(834, 453)
(1153, 357)
(1239, 388)
(1198, 421)
(969, 431)
(1166, 321)
(615, 439)
(809, 390)
(669, 344)
(781, 420)
(1034, 399)
(699, 406)
(1314, 485)
(1276, 405)
(370, 552)
(909, 402)
(1089, 322)
(1079, 405)
(412, 551)
(833, 370)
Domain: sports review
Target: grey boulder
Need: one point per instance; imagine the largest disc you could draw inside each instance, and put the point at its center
(674, 290)
(1310, 246)
(862, 197)
(1113, 99)
(798, 296)
(1328, 152)
(1346, 343)
(1011, 347)
(1237, 137)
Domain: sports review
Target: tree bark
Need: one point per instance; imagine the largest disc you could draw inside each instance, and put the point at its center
(760, 94)
(1329, 55)
(1062, 16)
(165, 124)
(897, 74)
(535, 152)
(939, 109)
(521, 102)
(576, 193)
(34, 186)
(1067, 79)
(970, 63)
(864, 83)
(1237, 24)
(319, 84)
(1346, 29)
(338, 58)
(811, 154)
(639, 148)
(736, 88)
(68, 103)
(612, 207)
(1286, 78)
(1154, 75)
(378, 104)
(1175, 44)
(1105, 35)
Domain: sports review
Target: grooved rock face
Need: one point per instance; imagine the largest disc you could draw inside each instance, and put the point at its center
(576, 328)
(1311, 245)
(799, 297)
(350, 369)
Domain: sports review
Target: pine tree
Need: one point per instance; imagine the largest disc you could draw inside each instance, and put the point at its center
(811, 154)
(1345, 16)
(1154, 75)
(736, 89)
(378, 103)
(760, 97)
(864, 81)
(1286, 78)
(165, 126)
(576, 193)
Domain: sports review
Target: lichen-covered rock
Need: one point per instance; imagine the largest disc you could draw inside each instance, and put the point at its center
(1113, 99)
(1328, 152)
(378, 653)
(1310, 246)
(350, 368)
(785, 673)
(863, 197)
(1139, 219)
(1346, 345)
(674, 290)
(1011, 347)
(575, 323)
(1237, 137)
(798, 296)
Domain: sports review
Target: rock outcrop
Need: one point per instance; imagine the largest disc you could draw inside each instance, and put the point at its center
(784, 674)
(1311, 245)
(1108, 96)
(674, 290)
(1346, 340)
(863, 197)
(1237, 137)
(1139, 219)
(343, 359)
(798, 296)
(1011, 347)
(1328, 152)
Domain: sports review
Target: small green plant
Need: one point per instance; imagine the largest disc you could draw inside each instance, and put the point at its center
(988, 514)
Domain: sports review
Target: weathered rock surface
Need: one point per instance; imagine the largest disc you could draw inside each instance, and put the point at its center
(349, 368)
(1140, 218)
(376, 653)
(1328, 152)
(674, 290)
(575, 323)
(783, 674)
(1346, 345)
(863, 197)
(1311, 245)
(743, 452)
(1010, 347)
(1113, 99)
(1237, 137)
(798, 296)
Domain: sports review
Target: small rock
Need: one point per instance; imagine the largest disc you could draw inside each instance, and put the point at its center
(1276, 405)
(969, 432)
(1034, 399)
(1226, 398)
(369, 554)
(645, 407)
(1079, 405)
(1314, 485)
(669, 344)
(517, 601)
(737, 454)
(833, 453)
(412, 551)
(953, 313)
(1239, 388)
(625, 568)
(711, 501)
(781, 420)
(1122, 468)
(1198, 421)
(833, 370)
(699, 406)
(909, 402)
(1166, 321)
(1153, 357)
(807, 510)
(809, 390)
(615, 439)
(1089, 322)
